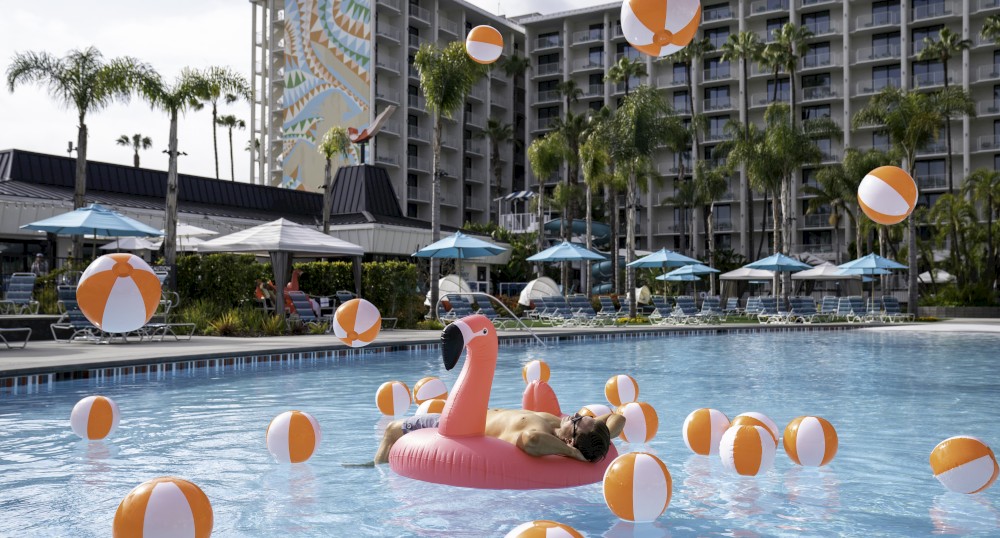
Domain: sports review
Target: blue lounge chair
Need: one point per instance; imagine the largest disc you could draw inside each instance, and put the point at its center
(303, 309)
(753, 306)
(892, 312)
(828, 308)
(803, 310)
(711, 309)
(19, 297)
(609, 310)
(686, 310)
(732, 307)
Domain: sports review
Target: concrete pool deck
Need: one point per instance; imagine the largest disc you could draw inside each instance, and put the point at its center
(77, 359)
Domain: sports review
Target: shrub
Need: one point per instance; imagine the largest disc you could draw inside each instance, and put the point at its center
(274, 325)
(430, 325)
(226, 325)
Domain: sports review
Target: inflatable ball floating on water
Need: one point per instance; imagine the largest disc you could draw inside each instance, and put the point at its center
(637, 487)
(165, 507)
(810, 441)
(747, 450)
(621, 389)
(429, 388)
(94, 417)
(641, 422)
(536, 371)
(754, 418)
(430, 407)
(703, 429)
(543, 529)
(393, 398)
(293, 436)
(964, 464)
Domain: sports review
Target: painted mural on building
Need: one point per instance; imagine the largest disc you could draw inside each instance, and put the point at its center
(327, 81)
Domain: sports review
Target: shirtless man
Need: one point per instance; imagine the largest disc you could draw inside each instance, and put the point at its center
(536, 433)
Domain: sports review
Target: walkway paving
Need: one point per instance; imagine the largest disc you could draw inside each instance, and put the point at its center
(60, 357)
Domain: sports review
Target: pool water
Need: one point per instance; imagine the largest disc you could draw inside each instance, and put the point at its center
(891, 396)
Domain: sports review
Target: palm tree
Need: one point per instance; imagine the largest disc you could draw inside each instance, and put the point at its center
(710, 185)
(746, 147)
(136, 142)
(624, 70)
(642, 123)
(514, 67)
(838, 188)
(792, 40)
(685, 198)
(948, 45)
(773, 58)
(572, 127)
(498, 133)
(220, 83)
(570, 91)
(595, 163)
(746, 47)
(951, 212)
(991, 28)
(446, 77)
(911, 123)
(983, 186)
(335, 142)
(173, 99)
(84, 81)
(545, 155)
(231, 122)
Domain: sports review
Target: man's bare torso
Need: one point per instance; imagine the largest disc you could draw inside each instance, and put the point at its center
(508, 424)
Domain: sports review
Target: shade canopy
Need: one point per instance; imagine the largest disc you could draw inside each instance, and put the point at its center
(190, 230)
(823, 271)
(679, 278)
(940, 276)
(779, 262)
(460, 246)
(537, 288)
(693, 269)
(130, 243)
(282, 235)
(282, 240)
(565, 252)
(94, 219)
(743, 273)
(867, 265)
(663, 258)
(449, 284)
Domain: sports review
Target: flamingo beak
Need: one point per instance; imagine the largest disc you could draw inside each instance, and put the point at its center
(452, 344)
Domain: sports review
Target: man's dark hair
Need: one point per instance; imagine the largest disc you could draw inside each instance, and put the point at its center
(594, 445)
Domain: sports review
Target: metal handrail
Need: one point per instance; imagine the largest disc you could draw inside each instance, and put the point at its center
(495, 300)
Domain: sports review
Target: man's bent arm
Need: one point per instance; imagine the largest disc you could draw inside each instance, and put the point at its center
(545, 444)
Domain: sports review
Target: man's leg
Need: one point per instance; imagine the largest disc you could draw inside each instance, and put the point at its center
(392, 434)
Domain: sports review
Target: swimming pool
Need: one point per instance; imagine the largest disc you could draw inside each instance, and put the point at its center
(891, 396)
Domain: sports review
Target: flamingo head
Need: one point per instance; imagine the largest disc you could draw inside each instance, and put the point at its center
(469, 331)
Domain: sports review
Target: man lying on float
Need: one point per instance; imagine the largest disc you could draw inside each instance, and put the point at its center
(473, 446)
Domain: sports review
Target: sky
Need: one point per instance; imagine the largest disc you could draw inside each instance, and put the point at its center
(168, 35)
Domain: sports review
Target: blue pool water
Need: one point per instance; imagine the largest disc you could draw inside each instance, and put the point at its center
(892, 397)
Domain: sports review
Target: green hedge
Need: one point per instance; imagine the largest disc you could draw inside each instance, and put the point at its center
(228, 280)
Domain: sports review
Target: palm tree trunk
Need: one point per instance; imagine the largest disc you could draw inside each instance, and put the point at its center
(215, 141)
(435, 207)
(170, 241)
(135, 158)
(748, 192)
(585, 278)
(630, 202)
(232, 164)
(710, 229)
(540, 229)
(614, 242)
(776, 239)
(990, 258)
(80, 186)
(857, 233)
(327, 194)
(763, 224)
(495, 190)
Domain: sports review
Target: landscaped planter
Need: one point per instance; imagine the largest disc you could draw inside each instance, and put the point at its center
(960, 311)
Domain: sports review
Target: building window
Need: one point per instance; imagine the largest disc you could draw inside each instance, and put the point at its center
(815, 112)
(820, 80)
(817, 23)
(595, 56)
(716, 126)
(809, 177)
(547, 86)
(885, 12)
(679, 74)
(716, 68)
(880, 141)
(624, 50)
(717, 36)
(716, 98)
(681, 102)
(716, 12)
(411, 210)
(773, 26)
(885, 75)
(784, 89)
(596, 31)
(595, 105)
(548, 39)
(412, 150)
(544, 59)
(927, 74)
(930, 173)
(818, 55)
(929, 32)
(929, 8)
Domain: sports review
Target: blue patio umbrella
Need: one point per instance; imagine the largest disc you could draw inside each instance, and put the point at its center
(663, 258)
(682, 273)
(459, 246)
(679, 278)
(94, 219)
(870, 264)
(565, 252)
(779, 262)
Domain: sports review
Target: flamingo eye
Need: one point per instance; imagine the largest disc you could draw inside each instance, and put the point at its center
(485, 331)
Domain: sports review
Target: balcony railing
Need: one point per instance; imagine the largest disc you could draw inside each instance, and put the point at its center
(988, 108)
(390, 127)
(668, 80)
(549, 96)
(933, 148)
(665, 228)
(546, 123)
(391, 4)
(418, 194)
(478, 92)
(420, 164)
(387, 95)
(812, 61)
(472, 174)
(548, 68)
(932, 181)
(722, 225)
(386, 159)
(925, 80)
(588, 36)
(869, 87)
(988, 72)
(593, 90)
(768, 6)
(387, 63)
(932, 11)
(874, 54)
(989, 143)
(519, 222)
(588, 63)
(715, 136)
(473, 204)
(413, 72)
(473, 146)
(419, 13)
(877, 20)
(822, 30)
(477, 120)
(419, 133)
(817, 220)
(388, 32)
(815, 93)
(764, 99)
(448, 25)
(988, 4)
(818, 248)
(719, 73)
(415, 101)
(548, 42)
(717, 104)
(717, 14)
(809, 3)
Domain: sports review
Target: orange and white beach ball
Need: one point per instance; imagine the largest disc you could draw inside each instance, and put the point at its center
(536, 371)
(594, 410)
(703, 430)
(637, 487)
(754, 418)
(660, 27)
(810, 441)
(543, 528)
(431, 407)
(964, 464)
(429, 388)
(393, 398)
(641, 422)
(621, 389)
(747, 450)
(94, 417)
(293, 436)
(165, 507)
(357, 322)
(887, 194)
(484, 44)
(118, 293)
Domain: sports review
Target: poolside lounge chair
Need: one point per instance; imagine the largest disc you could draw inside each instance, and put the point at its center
(686, 310)
(663, 311)
(803, 310)
(74, 324)
(615, 313)
(711, 309)
(584, 309)
(892, 312)
(460, 308)
(753, 306)
(18, 299)
(4, 332)
(770, 313)
(303, 309)
(828, 308)
(343, 296)
(852, 309)
(732, 307)
(500, 321)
